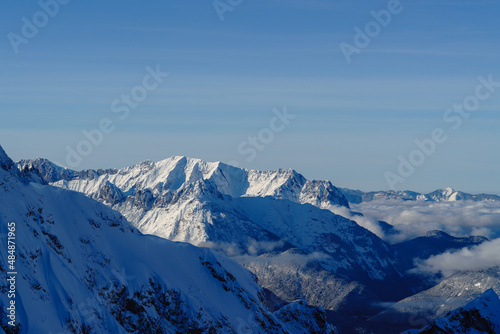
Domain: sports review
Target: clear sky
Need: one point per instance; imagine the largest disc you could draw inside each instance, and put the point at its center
(353, 120)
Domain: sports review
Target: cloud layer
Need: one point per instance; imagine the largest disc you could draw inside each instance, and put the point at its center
(483, 256)
(368, 222)
(414, 218)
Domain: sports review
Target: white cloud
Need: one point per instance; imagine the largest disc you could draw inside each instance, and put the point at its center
(483, 256)
(286, 258)
(370, 223)
(414, 218)
(252, 248)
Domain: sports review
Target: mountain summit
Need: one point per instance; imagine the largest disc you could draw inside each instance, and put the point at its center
(5, 161)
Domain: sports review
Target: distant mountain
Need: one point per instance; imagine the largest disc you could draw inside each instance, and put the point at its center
(482, 315)
(440, 195)
(82, 268)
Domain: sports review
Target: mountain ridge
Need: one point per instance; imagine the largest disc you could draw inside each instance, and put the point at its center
(439, 195)
(451, 293)
(174, 169)
(482, 315)
(52, 173)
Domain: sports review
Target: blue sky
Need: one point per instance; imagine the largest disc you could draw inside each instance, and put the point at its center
(352, 121)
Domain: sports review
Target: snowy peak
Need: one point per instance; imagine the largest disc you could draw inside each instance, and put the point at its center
(9, 175)
(489, 299)
(438, 234)
(451, 195)
(48, 170)
(5, 162)
(446, 194)
(51, 172)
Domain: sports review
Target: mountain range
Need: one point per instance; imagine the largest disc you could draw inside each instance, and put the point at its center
(440, 195)
(246, 214)
(304, 259)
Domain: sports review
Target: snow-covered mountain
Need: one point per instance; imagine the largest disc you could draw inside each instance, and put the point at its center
(238, 211)
(81, 267)
(480, 316)
(451, 293)
(440, 195)
(178, 172)
(279, 225)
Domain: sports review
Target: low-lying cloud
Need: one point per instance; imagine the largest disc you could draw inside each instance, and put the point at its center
(370, 223)
(250, 254)
(414, 218)
(286, 258)
(483, 256)
(252, 247)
